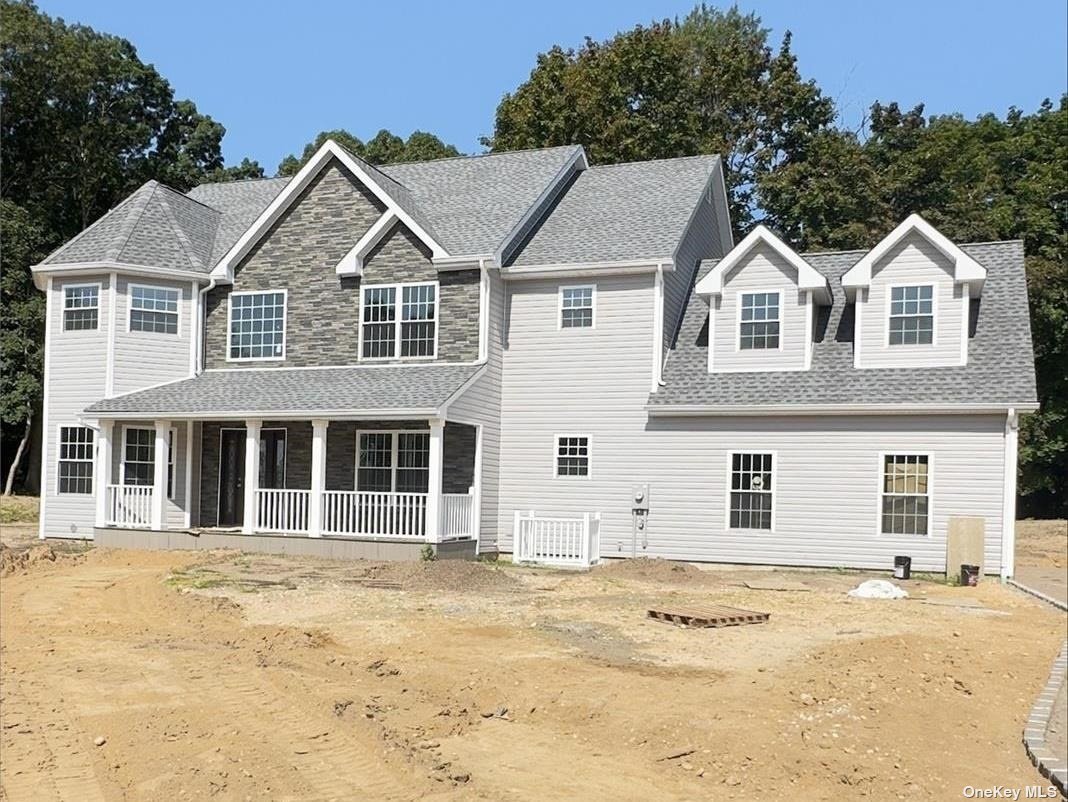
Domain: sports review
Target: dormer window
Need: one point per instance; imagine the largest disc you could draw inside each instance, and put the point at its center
(912, 315)
(759, 325)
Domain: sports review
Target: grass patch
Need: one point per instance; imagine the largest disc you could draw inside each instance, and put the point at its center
(194, 580)
(19, 509)
(206, 579)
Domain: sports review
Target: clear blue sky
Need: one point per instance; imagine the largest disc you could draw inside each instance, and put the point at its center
(275, 74)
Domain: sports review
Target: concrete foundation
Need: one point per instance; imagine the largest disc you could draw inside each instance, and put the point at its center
(337, 548)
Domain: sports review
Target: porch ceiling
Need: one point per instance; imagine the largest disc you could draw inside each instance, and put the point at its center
(386, 391)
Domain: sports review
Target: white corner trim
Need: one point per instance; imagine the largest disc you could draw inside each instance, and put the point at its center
(810, 319)
(351, 263)
(658, 328)
(808, 278)
(965, 268)
(50, 307)
(223, 271)
(860, 299)
(1008, 510)
(965, 320)
(113, 300)
(484, 299)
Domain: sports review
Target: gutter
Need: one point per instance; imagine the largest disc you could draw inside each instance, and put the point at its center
(759, 410)
(202, 315)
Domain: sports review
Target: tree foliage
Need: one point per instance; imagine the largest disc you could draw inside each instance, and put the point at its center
(709, 83)
(384, 148)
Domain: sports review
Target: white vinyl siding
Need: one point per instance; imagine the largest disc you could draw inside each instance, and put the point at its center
(913, 263)
(144, 359)
(734, 332)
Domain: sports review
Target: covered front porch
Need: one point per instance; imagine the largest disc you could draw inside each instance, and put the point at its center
(397, 480)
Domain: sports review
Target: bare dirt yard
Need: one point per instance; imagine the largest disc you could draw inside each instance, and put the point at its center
(138, 675)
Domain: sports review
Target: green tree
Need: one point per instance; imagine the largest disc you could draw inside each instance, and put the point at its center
(84, 122)
(707, 84)
(384, 148)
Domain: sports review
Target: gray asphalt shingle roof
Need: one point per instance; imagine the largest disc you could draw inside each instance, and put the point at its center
(620, 212)
(281, 391)
(238, 203)
(1000, 367)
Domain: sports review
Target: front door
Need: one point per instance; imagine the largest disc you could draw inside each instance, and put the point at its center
(232, 470)
(232, 478)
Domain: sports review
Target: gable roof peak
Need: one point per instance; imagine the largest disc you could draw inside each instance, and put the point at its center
(966, 270)
(808, 278)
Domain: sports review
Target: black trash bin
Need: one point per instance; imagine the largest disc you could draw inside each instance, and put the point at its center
(902, 567)
(969, 575)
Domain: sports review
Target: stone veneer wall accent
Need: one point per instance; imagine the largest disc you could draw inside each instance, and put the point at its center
(299, 254)
(458, 471)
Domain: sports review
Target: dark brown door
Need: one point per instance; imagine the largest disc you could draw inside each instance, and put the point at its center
(232, 478)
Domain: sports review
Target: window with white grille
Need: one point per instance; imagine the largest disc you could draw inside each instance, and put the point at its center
(397, 461)
(572, 455)
(139, 458)
(576, 307)
(257, 325)
(906, 494)
(751, 493)
(759, 326)
(407, 333)
(153, 309)
(912, 315)
(81, 307)
(75, 460)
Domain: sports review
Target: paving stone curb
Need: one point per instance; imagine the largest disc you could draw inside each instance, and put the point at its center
(1049, 765)
(1038, 594)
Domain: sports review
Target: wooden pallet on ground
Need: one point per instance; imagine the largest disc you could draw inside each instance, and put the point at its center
(715, 615)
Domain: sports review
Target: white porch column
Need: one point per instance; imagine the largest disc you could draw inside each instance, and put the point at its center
(318, 478)
(102, 472)
(476, 490)
(252, 473)
(433, 498)
(159, 474)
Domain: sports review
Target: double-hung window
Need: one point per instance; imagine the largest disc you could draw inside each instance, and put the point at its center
(576, 307)
(407, 332)
(572, 455)
(393, 462)
(751, 491)
(257, 325)
(759, 321)
(153, 309)
(81, 307)
(75, 460)
(906, 491)
(139, 458)
(911, 315)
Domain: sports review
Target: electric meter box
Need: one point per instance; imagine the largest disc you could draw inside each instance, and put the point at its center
(640, 499)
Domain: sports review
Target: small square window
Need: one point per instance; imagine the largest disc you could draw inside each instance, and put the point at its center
(81, 308)
(911, 315)
(572, 456)
(257, 325)
(759, 326)
(576, 307)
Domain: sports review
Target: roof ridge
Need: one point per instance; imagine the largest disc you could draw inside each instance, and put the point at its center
(473, 156)
(84, 232)
(714, 156)
(233, 182)
(130, 225)
(183, 239)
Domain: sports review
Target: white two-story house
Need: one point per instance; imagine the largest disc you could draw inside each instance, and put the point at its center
(523, 353)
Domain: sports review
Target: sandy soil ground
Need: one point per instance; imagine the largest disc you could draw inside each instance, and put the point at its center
(249, 677)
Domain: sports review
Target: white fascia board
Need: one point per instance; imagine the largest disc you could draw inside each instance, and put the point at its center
(351, 263)
(42, 272)
(577, 161)
(965, 268)
(760, 410)
(223, 271)
(316, 414)
(589, 269)
(808, 278)
(473, 261)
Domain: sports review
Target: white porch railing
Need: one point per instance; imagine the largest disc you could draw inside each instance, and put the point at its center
(457, 515)
(279, 510)
(129, 506)
(366, 514)
(563, 542)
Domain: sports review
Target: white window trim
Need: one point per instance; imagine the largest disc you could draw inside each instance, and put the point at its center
(905, 452)
(934, 316)
(738, 321)
(774, 490)
(230, 320)
(59, 458)
(397, 321)
(218, 473)
(177, 313)
(63, 330)
(171, 456)
(560, 306)
(556, 456)
(394, 443)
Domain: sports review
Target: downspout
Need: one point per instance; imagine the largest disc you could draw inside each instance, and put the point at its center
(202, 315)
(658, 323)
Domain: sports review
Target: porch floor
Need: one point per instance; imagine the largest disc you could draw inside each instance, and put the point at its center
(337, 548)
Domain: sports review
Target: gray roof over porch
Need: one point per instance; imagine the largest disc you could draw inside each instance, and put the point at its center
(364, 391)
